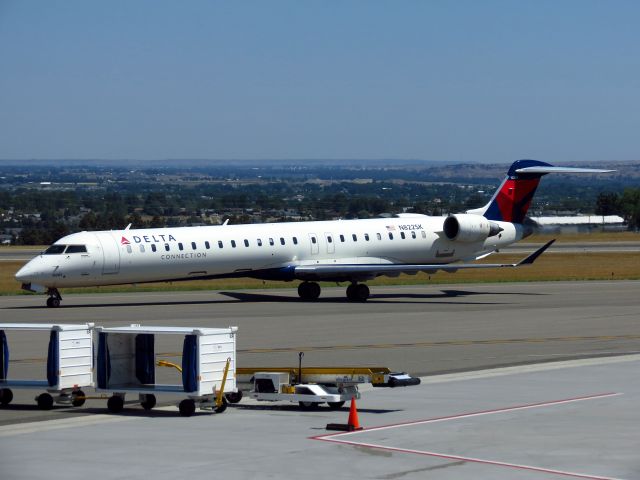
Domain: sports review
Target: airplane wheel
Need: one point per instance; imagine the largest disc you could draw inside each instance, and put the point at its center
(234, 397)
(53, 302)
(187, 407)
(361, 292)
(45, 401)
(77, 398)
(149, 401)
(309, 290)
(6, 395)
(350, 289)
(115, 404)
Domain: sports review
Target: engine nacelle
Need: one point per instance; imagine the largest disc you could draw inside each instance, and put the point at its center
(469, 228)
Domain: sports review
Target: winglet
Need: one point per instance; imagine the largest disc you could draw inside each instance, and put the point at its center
(534, 256)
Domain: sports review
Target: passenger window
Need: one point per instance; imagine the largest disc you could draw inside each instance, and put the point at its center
(329, 239)
(54, 250)
(166, 247)
(366, 237)
(281, 240)
(219, 243)
(390, 236)
(153, 247)
(378, 236)
(313, 240)
(259, 242)
(129, 250)
(295, 240)
(402, 235)
(342, 238)
(180, 247)
(193, 245)
(424, 234)
(142, 248)
(246, 242)
(233, 243)
(413, 234)
(271, 242)
(206, 245)
(355, 237)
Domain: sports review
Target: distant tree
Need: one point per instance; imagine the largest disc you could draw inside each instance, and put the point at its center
(608, 203)
(631, 207)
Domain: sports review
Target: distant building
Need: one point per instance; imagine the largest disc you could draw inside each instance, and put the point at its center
(578, 223)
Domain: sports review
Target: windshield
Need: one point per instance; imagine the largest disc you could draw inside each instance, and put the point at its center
(55, 250)
(76, 249)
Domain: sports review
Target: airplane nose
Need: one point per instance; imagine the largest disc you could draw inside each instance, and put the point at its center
(25, 274)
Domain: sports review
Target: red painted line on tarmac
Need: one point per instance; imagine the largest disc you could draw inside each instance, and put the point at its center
(473, 414)
(332, 437)
(470, 459)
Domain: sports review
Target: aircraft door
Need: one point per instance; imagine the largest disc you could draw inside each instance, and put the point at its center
(313, 240)
(331, 247)
(110, 254)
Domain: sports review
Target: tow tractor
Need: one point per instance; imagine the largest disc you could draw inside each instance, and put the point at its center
(312, 386)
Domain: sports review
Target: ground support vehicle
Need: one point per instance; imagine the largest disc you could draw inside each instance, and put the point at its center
(126, 365)
(69, 365)
(316, 385)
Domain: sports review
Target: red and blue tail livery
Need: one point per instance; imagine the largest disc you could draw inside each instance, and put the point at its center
(511, 201)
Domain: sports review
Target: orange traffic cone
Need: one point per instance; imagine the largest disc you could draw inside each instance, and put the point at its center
(352, 424)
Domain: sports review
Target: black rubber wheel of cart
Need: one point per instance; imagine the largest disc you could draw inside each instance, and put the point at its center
(308, 405)
(149, 401)
(222, 407)
(6, 395)
(77, 398)
(45, 401)
(187, 407)
(115, 404)
(335, 405)
(234, 397)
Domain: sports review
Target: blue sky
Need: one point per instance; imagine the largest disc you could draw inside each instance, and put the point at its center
(489, 81)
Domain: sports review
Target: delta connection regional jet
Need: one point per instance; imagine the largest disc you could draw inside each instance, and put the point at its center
(352, 251)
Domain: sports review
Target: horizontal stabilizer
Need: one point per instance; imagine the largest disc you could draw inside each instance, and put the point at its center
(550, 169)
(532, 258)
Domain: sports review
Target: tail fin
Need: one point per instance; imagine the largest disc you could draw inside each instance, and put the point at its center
(511, 201)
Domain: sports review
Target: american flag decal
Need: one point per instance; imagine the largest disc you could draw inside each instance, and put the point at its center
(391, 228)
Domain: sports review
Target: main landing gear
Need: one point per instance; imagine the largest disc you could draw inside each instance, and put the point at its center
(356, 292)
(309, 290)
(54, 298)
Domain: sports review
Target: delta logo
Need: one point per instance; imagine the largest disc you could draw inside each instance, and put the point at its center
(148, 239)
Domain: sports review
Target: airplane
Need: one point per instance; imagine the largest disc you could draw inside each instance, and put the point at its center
(352, 251)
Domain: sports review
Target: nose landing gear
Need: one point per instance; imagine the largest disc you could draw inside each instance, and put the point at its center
(54, 298)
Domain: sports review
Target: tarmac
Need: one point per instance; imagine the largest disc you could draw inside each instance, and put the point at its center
(576, 419)
(531, 380)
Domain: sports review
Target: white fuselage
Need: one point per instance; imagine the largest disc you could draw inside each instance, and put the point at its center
(254, 250)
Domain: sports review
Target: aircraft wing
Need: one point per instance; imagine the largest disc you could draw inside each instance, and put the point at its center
(332, 271)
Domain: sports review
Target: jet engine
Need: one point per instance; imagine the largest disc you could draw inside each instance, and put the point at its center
(469, 228)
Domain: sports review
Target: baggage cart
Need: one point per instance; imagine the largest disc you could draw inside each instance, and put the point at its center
(69, 366)
(126, 365)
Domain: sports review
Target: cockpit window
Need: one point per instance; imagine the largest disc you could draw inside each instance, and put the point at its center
(55, 250)
(76, 249)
